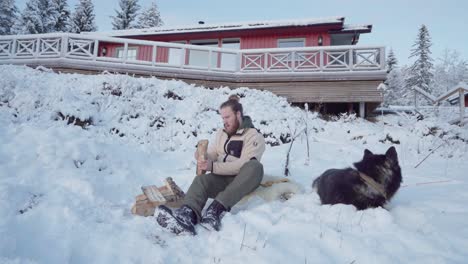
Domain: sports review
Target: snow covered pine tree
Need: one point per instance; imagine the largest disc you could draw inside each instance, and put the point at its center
(39, 16)
(126, 17)
(393, 81)
(62, 21)
(8, 16)
(421, 74)
(83, 17)
(150, 17)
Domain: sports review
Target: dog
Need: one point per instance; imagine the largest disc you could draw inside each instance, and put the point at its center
(371, 183)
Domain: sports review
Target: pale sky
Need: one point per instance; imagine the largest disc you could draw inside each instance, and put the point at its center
(395, 23)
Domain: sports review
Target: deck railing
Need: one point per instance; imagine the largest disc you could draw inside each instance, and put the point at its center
(22, 49)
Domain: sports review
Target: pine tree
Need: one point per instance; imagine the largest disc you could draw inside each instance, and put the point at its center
(393, 81)
(62, 21)
(83, 17)
(150, 17)
(394, 95)
(125, 18)
(39, 16)
(391, 61)
(29, 21)
(8, 16)
(421, 71)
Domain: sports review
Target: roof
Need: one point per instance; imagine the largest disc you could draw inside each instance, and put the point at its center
(234, 26)
(454, 98)
(354, 29)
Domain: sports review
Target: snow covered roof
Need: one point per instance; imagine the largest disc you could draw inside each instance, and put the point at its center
(223, 27)
(354, 28)
(454, 98)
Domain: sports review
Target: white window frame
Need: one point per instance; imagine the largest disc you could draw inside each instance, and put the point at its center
(175, 54)
(204, 42)
(195, 55)
(229, 61)
(303, 40)
(229, 41)
(121, 50)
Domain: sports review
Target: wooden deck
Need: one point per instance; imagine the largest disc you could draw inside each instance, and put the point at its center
(325, 74)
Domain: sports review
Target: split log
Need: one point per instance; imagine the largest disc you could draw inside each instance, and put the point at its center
(202, 148)
(170, 194)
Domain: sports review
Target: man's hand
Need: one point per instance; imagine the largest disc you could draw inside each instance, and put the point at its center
(206, 165)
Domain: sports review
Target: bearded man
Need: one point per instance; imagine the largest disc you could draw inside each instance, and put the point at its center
(233, 161)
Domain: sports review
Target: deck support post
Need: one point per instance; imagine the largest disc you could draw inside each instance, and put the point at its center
(362, 109)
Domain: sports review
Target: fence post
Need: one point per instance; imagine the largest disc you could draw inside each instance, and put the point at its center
(321, 59)
(183, 52)
(153, 56)
(64, 47)
(293, 61)
(13, 48)
(38, 47)
(239, 56)
(125, 53)
(95, 50)
(382, 58)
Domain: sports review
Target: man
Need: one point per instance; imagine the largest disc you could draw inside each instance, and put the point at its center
(234, 162)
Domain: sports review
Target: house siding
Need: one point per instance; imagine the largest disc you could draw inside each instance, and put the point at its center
(249, 39)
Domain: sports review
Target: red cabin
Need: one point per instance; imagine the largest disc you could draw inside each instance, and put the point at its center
(253, 35)
(307, 61)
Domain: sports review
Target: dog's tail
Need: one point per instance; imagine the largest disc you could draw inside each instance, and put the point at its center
(315, 183)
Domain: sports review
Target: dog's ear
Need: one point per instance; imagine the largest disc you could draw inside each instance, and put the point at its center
(392, 154)
(367, 153)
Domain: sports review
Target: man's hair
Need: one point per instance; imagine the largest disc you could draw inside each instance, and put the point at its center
(233, 102)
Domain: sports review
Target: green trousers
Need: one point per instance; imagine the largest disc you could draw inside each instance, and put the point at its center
(227, 190)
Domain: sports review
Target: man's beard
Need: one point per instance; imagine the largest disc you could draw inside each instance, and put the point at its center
(233, 129)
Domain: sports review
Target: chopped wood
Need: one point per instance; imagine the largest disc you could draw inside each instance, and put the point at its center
(141, 197)
(145, 209)
(153, 193)
(170, 194)
(202, 148)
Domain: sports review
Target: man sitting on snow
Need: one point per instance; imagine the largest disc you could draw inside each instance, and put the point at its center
(234, 162)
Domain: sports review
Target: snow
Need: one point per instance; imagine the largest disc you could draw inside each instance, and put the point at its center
(352, 27)
(223, 26)
(75, 186)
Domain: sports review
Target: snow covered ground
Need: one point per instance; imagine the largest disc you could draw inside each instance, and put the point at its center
(66, 192)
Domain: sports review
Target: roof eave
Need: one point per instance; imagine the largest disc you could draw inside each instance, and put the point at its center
(365, 29)
(129, 33)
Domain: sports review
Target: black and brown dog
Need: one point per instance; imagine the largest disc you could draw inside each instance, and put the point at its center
(372, 183)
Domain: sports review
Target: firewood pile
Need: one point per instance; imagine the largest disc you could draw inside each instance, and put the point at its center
(170, 195)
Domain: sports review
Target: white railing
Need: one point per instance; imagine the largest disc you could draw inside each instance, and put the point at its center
(19, 48)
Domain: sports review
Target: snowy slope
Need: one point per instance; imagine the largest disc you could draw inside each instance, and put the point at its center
(66, 192)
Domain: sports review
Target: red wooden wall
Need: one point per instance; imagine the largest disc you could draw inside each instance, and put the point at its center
(249, 39)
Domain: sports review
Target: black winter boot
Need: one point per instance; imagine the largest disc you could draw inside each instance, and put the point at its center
(180, 221)
(211, 220)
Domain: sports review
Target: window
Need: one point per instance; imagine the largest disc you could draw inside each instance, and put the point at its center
(228, 60)
(175, 54)
(131, 53)
(291, 43)
(200, 57)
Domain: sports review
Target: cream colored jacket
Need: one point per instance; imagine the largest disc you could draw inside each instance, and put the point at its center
(229, 154)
